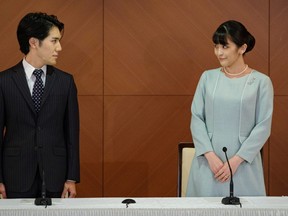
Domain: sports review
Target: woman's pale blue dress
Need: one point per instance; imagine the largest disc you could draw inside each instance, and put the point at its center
(234, 113)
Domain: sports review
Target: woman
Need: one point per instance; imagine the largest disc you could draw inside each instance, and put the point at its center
(232, 108)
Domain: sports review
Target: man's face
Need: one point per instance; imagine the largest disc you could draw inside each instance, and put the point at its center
(48, 49)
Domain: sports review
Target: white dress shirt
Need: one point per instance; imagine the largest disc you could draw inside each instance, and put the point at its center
(28, 68)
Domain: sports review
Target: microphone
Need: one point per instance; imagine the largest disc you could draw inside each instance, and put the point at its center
(43, 200)
(128, 201)
(231, 200)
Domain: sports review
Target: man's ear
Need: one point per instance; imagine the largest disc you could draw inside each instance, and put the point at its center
(34, 42)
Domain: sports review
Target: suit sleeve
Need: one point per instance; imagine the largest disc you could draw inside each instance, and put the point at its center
(262, 129)
(198, 124)
(72, 134)
(2, 120)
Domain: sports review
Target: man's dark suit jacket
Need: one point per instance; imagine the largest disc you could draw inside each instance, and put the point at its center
(54, 131)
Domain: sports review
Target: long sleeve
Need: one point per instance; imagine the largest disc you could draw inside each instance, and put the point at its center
(2, 120)
(263, 120)
(72, 134)
(198, 125)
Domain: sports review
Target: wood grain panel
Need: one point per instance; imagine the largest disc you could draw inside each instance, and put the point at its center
(279, 46)
(91, 146)
(162, 47)
(253, 14)
(145, 53)
(82, 44)
(141, 136)
(278, 63)
(278, 173)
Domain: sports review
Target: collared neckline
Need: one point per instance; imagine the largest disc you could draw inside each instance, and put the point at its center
(28, 68)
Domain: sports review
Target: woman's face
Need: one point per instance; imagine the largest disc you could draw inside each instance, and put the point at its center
(228, 55)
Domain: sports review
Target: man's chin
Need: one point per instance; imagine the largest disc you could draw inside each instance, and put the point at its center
(52, 63)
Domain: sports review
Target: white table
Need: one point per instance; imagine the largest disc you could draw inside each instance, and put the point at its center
(209, 206)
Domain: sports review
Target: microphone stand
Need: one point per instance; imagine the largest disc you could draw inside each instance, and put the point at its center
(43, 200)
(231, 200)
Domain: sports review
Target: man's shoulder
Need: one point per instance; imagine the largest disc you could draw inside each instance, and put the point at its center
(12, 69)
(59, 72)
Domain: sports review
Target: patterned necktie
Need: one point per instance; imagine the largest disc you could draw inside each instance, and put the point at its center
(38, 89)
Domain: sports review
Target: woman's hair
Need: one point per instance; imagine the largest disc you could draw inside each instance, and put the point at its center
(236, 32)
(35, 25)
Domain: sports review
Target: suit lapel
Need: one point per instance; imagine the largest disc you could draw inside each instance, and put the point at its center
(21, 82)
(50, 78)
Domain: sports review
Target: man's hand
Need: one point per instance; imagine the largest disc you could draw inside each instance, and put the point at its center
(70, 188)
(3, 191)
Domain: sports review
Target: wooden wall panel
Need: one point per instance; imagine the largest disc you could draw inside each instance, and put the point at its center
(91, 146)
(278, 174)
(207, 15)
(11, 13)
(141, 134)
(151, 42)
(146, 49)
(279, 46)
(136, 64)
(83, 44)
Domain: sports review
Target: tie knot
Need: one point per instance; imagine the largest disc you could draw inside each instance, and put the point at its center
(37, 73)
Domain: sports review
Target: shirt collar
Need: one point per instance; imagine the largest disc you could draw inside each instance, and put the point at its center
(28, 68)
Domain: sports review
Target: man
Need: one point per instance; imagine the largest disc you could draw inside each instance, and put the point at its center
(39, 116)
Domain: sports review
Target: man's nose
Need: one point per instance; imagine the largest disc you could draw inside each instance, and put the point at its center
(59, 47)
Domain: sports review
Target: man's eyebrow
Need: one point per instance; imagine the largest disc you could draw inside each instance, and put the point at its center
(56, 38)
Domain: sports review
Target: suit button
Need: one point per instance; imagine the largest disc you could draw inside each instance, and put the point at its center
(38, 128)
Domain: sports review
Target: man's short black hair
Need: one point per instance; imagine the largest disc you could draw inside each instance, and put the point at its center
(36, 25)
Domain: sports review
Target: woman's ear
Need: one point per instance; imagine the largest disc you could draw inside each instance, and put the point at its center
(242, 49)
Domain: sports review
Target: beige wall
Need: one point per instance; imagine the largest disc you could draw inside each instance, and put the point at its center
(136, 64)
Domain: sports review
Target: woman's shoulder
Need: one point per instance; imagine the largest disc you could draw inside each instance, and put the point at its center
(260, 76)
(262, 80)
(211, 73)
